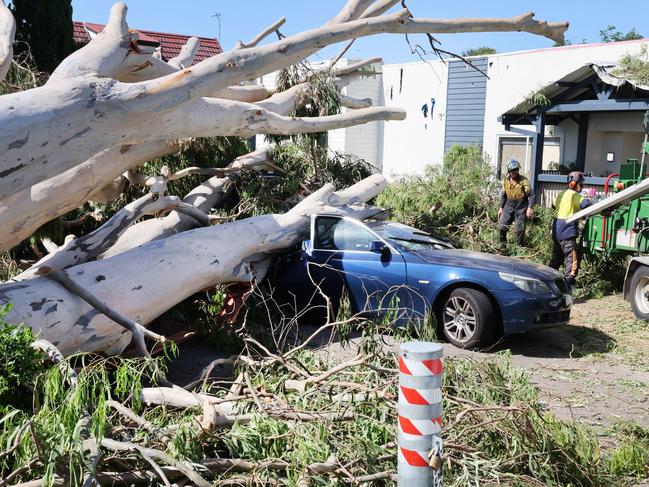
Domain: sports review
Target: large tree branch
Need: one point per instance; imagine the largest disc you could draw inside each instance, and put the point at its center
(7, 35)
(229, 68)
(95, 109)
(214, 116)
(139, 283)
(90, 246)
(103, 55)
(186, 55)
(352, 10)
(25, 211)
(274, 27)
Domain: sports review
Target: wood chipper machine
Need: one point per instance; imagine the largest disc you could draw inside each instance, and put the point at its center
(619, 224)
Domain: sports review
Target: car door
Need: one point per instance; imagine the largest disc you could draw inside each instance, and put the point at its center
(343, 255)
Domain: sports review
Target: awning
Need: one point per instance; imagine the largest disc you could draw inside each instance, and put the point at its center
(577, 85)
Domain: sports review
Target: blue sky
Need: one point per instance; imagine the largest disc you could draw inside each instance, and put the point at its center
(242, 19)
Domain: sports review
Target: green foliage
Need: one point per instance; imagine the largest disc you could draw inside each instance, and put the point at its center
(634, 68)
(22, 75)
(612, 34)
(631, 457)
(479, 51)
(536, 99)
(45, 28)
(523, 443)
(301, 168)
(65, 406)
(462, 189)
(459, 202)
(19, 363)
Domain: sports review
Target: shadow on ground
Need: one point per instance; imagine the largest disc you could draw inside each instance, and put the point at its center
(567, 341)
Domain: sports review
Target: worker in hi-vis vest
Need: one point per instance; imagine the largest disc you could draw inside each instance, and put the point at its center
(516, 202)
(564, 234)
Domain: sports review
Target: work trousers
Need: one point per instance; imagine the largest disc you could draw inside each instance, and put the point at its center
(513, 211)
(566, 251)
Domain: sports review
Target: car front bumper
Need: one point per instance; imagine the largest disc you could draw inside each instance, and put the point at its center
(523, 312)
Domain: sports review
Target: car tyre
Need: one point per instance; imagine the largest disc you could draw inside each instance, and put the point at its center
(467, 318)
(639, 293)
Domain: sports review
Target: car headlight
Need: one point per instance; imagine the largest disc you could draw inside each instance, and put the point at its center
(527, 284)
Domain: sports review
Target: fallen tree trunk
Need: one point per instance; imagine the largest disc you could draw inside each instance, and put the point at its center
(144, 282)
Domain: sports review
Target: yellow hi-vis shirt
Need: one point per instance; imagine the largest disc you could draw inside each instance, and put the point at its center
(567, 204)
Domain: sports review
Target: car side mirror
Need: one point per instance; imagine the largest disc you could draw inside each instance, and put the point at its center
(307, 246)
(380, 247)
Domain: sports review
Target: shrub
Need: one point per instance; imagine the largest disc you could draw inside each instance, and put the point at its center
(19, 363)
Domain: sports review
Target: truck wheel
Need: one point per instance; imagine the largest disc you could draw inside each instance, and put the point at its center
(639, 293)
(467, 318)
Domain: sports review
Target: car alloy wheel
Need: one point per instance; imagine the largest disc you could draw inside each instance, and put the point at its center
(459, 319)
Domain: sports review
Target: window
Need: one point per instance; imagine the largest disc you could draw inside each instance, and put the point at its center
(337, 234)
(520, 148)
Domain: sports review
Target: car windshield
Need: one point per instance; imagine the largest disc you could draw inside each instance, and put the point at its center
(418, 245)
(409, 238)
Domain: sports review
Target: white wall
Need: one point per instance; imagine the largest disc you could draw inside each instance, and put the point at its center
(366, 141)
(411, 144)
(513, 76)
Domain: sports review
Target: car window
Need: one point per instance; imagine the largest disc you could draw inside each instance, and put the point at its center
(339, 234)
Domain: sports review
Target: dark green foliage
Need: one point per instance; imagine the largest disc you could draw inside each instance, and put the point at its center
(296, 162)
(19, 363)
(479, 51)
(200, 152)
(44, 27)
(612, 34)
(445, 197)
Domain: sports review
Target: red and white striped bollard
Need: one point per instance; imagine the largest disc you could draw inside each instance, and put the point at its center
(420, 415)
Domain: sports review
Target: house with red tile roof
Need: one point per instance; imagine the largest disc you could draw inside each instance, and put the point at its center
(166, 44)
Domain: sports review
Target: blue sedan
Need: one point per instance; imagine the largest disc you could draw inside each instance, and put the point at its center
(387, 267)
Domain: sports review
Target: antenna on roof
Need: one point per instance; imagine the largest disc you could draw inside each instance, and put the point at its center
(218, 16)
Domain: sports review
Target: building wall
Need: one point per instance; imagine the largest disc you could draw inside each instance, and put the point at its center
(513, 76)
(411, 144)
(366, 141)
(465, 103)
(619, 133)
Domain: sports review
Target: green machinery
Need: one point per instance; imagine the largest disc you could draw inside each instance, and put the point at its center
(625, 228)
(620, 224)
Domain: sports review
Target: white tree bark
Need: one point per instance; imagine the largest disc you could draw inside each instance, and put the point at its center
(38, 146)
(110, 107)
(186, 55)
(24, 212)
(7, 36)
(143, 283)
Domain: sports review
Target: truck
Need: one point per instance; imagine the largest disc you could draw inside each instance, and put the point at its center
(619, 224)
